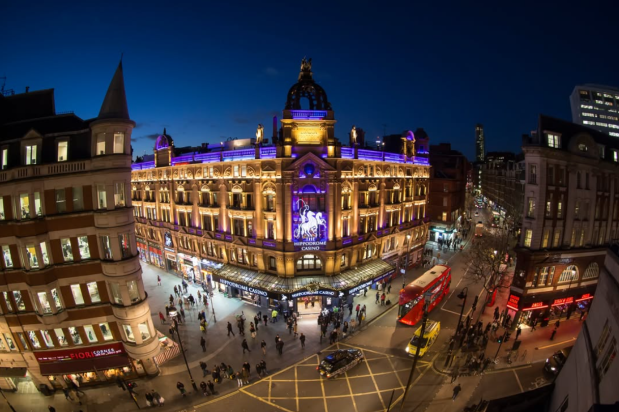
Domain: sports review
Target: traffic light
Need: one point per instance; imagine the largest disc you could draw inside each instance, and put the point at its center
(475, 303)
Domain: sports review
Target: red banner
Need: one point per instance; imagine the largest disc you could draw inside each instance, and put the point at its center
(80, 353)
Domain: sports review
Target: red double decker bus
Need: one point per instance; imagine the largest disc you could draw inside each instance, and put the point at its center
(432, 286)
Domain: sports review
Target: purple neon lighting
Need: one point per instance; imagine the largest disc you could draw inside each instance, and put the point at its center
(268, 243)
(143, 165)
(346, 241)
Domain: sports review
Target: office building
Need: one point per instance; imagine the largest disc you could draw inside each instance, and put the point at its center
(480, 143)
(596, 107)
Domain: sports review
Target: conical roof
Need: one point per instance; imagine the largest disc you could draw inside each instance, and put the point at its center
(115, 103)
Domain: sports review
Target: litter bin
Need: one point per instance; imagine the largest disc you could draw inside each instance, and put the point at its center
(44, 389)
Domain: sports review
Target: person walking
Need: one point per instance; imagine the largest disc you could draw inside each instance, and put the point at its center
(224, 370)
(365, 291)
(245, 376)
(263, 345)
(353, 323)
(157, 397)
(457, 390)
(294, 328)
(345, 328)
(181, 388)
(204, 370)
(280, 346)
(51, 408)
(518, 332)
(162, 318)
(230, 331)
(552, 335)
(302, 339)
(357, 309)
(257, 321)
(454, 375)
(265, 318)
(67, 394)
(245, 346)
(263, 365)
(239, 379)
(333, 337)
(175, 291)
(252, 330)
(158, 280)
(230, 372)
(557, 325)
(377, 297)
(211, 387)
(382, 299)
(203, 343)
(389, 288)
(277, 338)
(203, 388)
(274, 316)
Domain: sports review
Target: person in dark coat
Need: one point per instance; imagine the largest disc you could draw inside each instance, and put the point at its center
(203, 343)
(245, 346)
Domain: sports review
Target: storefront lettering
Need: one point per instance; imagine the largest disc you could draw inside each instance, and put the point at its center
(586, 296)
(536, 305)
(513, 302)
(562, 301)
(360, 287)
(312, 293)
(77, 354)
(244, 287)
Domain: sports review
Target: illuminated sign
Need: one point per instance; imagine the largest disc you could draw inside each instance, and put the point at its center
(311, 135)
(309, 228)
(562, 301)
(79, 353)
(322, 292)
(586, 296)
(536, 305)
(244, 287)
(513, 301)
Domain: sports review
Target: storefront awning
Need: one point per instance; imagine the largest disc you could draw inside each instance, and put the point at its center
(344, 281)
(12, 372)
(85, 365)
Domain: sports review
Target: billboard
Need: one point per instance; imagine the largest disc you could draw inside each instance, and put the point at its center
(309, 227)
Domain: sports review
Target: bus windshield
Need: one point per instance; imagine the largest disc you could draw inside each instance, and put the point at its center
(404, 309)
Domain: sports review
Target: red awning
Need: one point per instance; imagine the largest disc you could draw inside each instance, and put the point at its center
(86, 365)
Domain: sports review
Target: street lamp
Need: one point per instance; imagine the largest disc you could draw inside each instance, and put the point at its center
(173, 314)
(212, 296)
(423, 331)
(462, 295)
(408, 240)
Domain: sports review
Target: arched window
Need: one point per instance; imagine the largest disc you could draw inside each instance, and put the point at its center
(593, 271)
(569, 274)
(309, 262)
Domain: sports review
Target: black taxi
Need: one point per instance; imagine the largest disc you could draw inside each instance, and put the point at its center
(339, 362)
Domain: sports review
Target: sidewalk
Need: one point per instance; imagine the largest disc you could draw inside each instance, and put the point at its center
(220, 348)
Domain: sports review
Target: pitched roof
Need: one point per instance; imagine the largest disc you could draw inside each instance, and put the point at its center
(115, 103)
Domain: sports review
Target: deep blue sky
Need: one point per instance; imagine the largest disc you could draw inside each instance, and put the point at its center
(209, 70)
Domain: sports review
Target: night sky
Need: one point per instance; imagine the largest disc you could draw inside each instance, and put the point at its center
(212, 70)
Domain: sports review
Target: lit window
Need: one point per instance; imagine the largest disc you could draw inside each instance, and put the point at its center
(31, 155)
(119, 194)
(9, 341)
(82, 243)
(6, 254)
(34, 339)
(31, 254)
(78, 198)
(553, 141)
(77, 339)
(63, 151)
(101, 144)
(134, 293)
(106, 247)
(528, 235)
(569, 274)
(90, 333)
(93, 291)
(444, 216)
(47, 338)
(76, 290)
(37, 204)
(119, 142)
(615, 155)
(24, 205)
(7, 300)
(115, 289)
(19, 301)
(44, 302)
(56, 298)
(144, 330)
(44, 254)
(67, 251)
(5, 159)
(61, 338)
(531, 207)
(101, 196)
(2, 208)
(129, 333)
(105, 331)
(583, 147)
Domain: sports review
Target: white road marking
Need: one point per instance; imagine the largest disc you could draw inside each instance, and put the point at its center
(518, 380)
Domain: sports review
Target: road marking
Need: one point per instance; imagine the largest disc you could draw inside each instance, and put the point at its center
(335, 379)
(555, 344)
(517, 380)
(270, 382)
(226, 396)
(374, 380)
(341, 396)
(324, 394)
(396, 375)
(415, 381)
(262, 400)
(296, 388)
(492, 372)
(352, 394)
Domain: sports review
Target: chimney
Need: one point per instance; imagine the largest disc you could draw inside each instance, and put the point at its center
(27, 88)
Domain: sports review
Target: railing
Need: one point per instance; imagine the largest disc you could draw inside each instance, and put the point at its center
(347, 153)
(29, 171)
(268, 152)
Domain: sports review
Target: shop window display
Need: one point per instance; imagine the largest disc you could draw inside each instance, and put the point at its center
(93, 291)
(34, 339)
(67, 251)
(44, 302)
(90, 333)
(43, 247)
(62, 340)
(105, 331)
(56, 298)
(47, 338)
(76, 290)
(9, 341)
(31, 254)
(82, 242)
(75, 336)
(6, 253)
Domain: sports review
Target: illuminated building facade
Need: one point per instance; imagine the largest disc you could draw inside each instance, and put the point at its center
(72, 302)
(303, 217)
(480, 143)
(596, 107)
(570, 216)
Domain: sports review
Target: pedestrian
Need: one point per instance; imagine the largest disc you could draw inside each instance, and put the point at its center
(203, 325)
(175, 291)
(158, 397)
(377, 297)
(257, 321)
(454, 374)
(183, 314)
(199, 295)
(263, 345)
(211, 387)
(518, 332)
(230, 331)
(345, 328)
(171, 300)
(203, 343)
(252, 330)
(365, 291)
(382, 299)
(239, 379)
(259, 369)
(263, 365)
(457, 390)
(265, 318)
(496, 313)
(277, 338)
(534, 324)
(245, 346)
(353, 323)
(203, 388)
(158, 280)
(181, 388)
(274, 316)
(389, 288)
(149, 399)
(280, 346)
(294, 328)
(245, 376)
(552, 335)
(203, 367)
(67, 394)
(302, 339)
(582, 315)
(247, 367)
(230, 372)
(357, 309)
(333, 337)
(557, 325)
(51, 408)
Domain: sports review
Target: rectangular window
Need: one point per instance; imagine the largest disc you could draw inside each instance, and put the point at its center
(82, 242)
(551, 175)
(78, 198)
(31, 254)
(37, 204)
(56, 299)
(9, 341)
(607, 359)
(533, 174)
(67, 251)
(129, 333)
(31, 155)
(105, 331)
(47, 338)
(144, 330)
(528, 235)
(93, 291)
(90, 333)
(7, 300)
(560, 208)
(116, 296)
(63, 151)
(34, 339)
(106, 247)
(75, 336)
(44, 254)
(19, 302)
(236, 171)
(272, 265)
(76, 290)
(101, 144)
(23, 340)
(6, 254)
(61, 201)
(24, 205)
(101, 197)
(531, 207)
(119, 194)
(125, 247)
(119, 142)
(546, 238)
(62, 340)
(2, 217)
(5, 158)
(444, 217)
(553, 141)
(44, 302)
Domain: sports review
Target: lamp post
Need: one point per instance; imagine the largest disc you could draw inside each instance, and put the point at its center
(173, 314)
(462, 295)
(422, 332)
(212, 296)
(408, 239)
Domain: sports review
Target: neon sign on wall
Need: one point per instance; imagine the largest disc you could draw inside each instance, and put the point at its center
(309, 228)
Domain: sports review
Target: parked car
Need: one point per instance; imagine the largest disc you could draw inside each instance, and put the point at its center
(339, 362)
(557, 360)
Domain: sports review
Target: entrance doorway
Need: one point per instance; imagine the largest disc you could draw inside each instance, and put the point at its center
(309, 305)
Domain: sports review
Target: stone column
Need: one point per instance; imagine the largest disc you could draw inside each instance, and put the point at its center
(279, 212)
(223, 213)
(337, 210)
(354, 230)
(287, 211)
(258, 217)
(382, 215)
(330, 210)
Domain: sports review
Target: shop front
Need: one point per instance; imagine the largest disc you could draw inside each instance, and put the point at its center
(88, 366)
(155, 255)
(142, 249)
(170, 262)
(207, 269)
(10, 377)
(188, 266)
(244, 292)
(312, 300)
(441, 234)
(542, 310)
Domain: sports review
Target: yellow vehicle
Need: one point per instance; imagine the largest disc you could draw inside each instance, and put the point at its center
(429, 337)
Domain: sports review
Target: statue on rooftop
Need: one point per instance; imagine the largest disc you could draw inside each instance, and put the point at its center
(353, 136)
(259, 134)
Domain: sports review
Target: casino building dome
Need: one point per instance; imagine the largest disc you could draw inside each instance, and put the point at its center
(307, 88)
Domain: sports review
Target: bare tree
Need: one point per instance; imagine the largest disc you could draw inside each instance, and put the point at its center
(487, 261)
